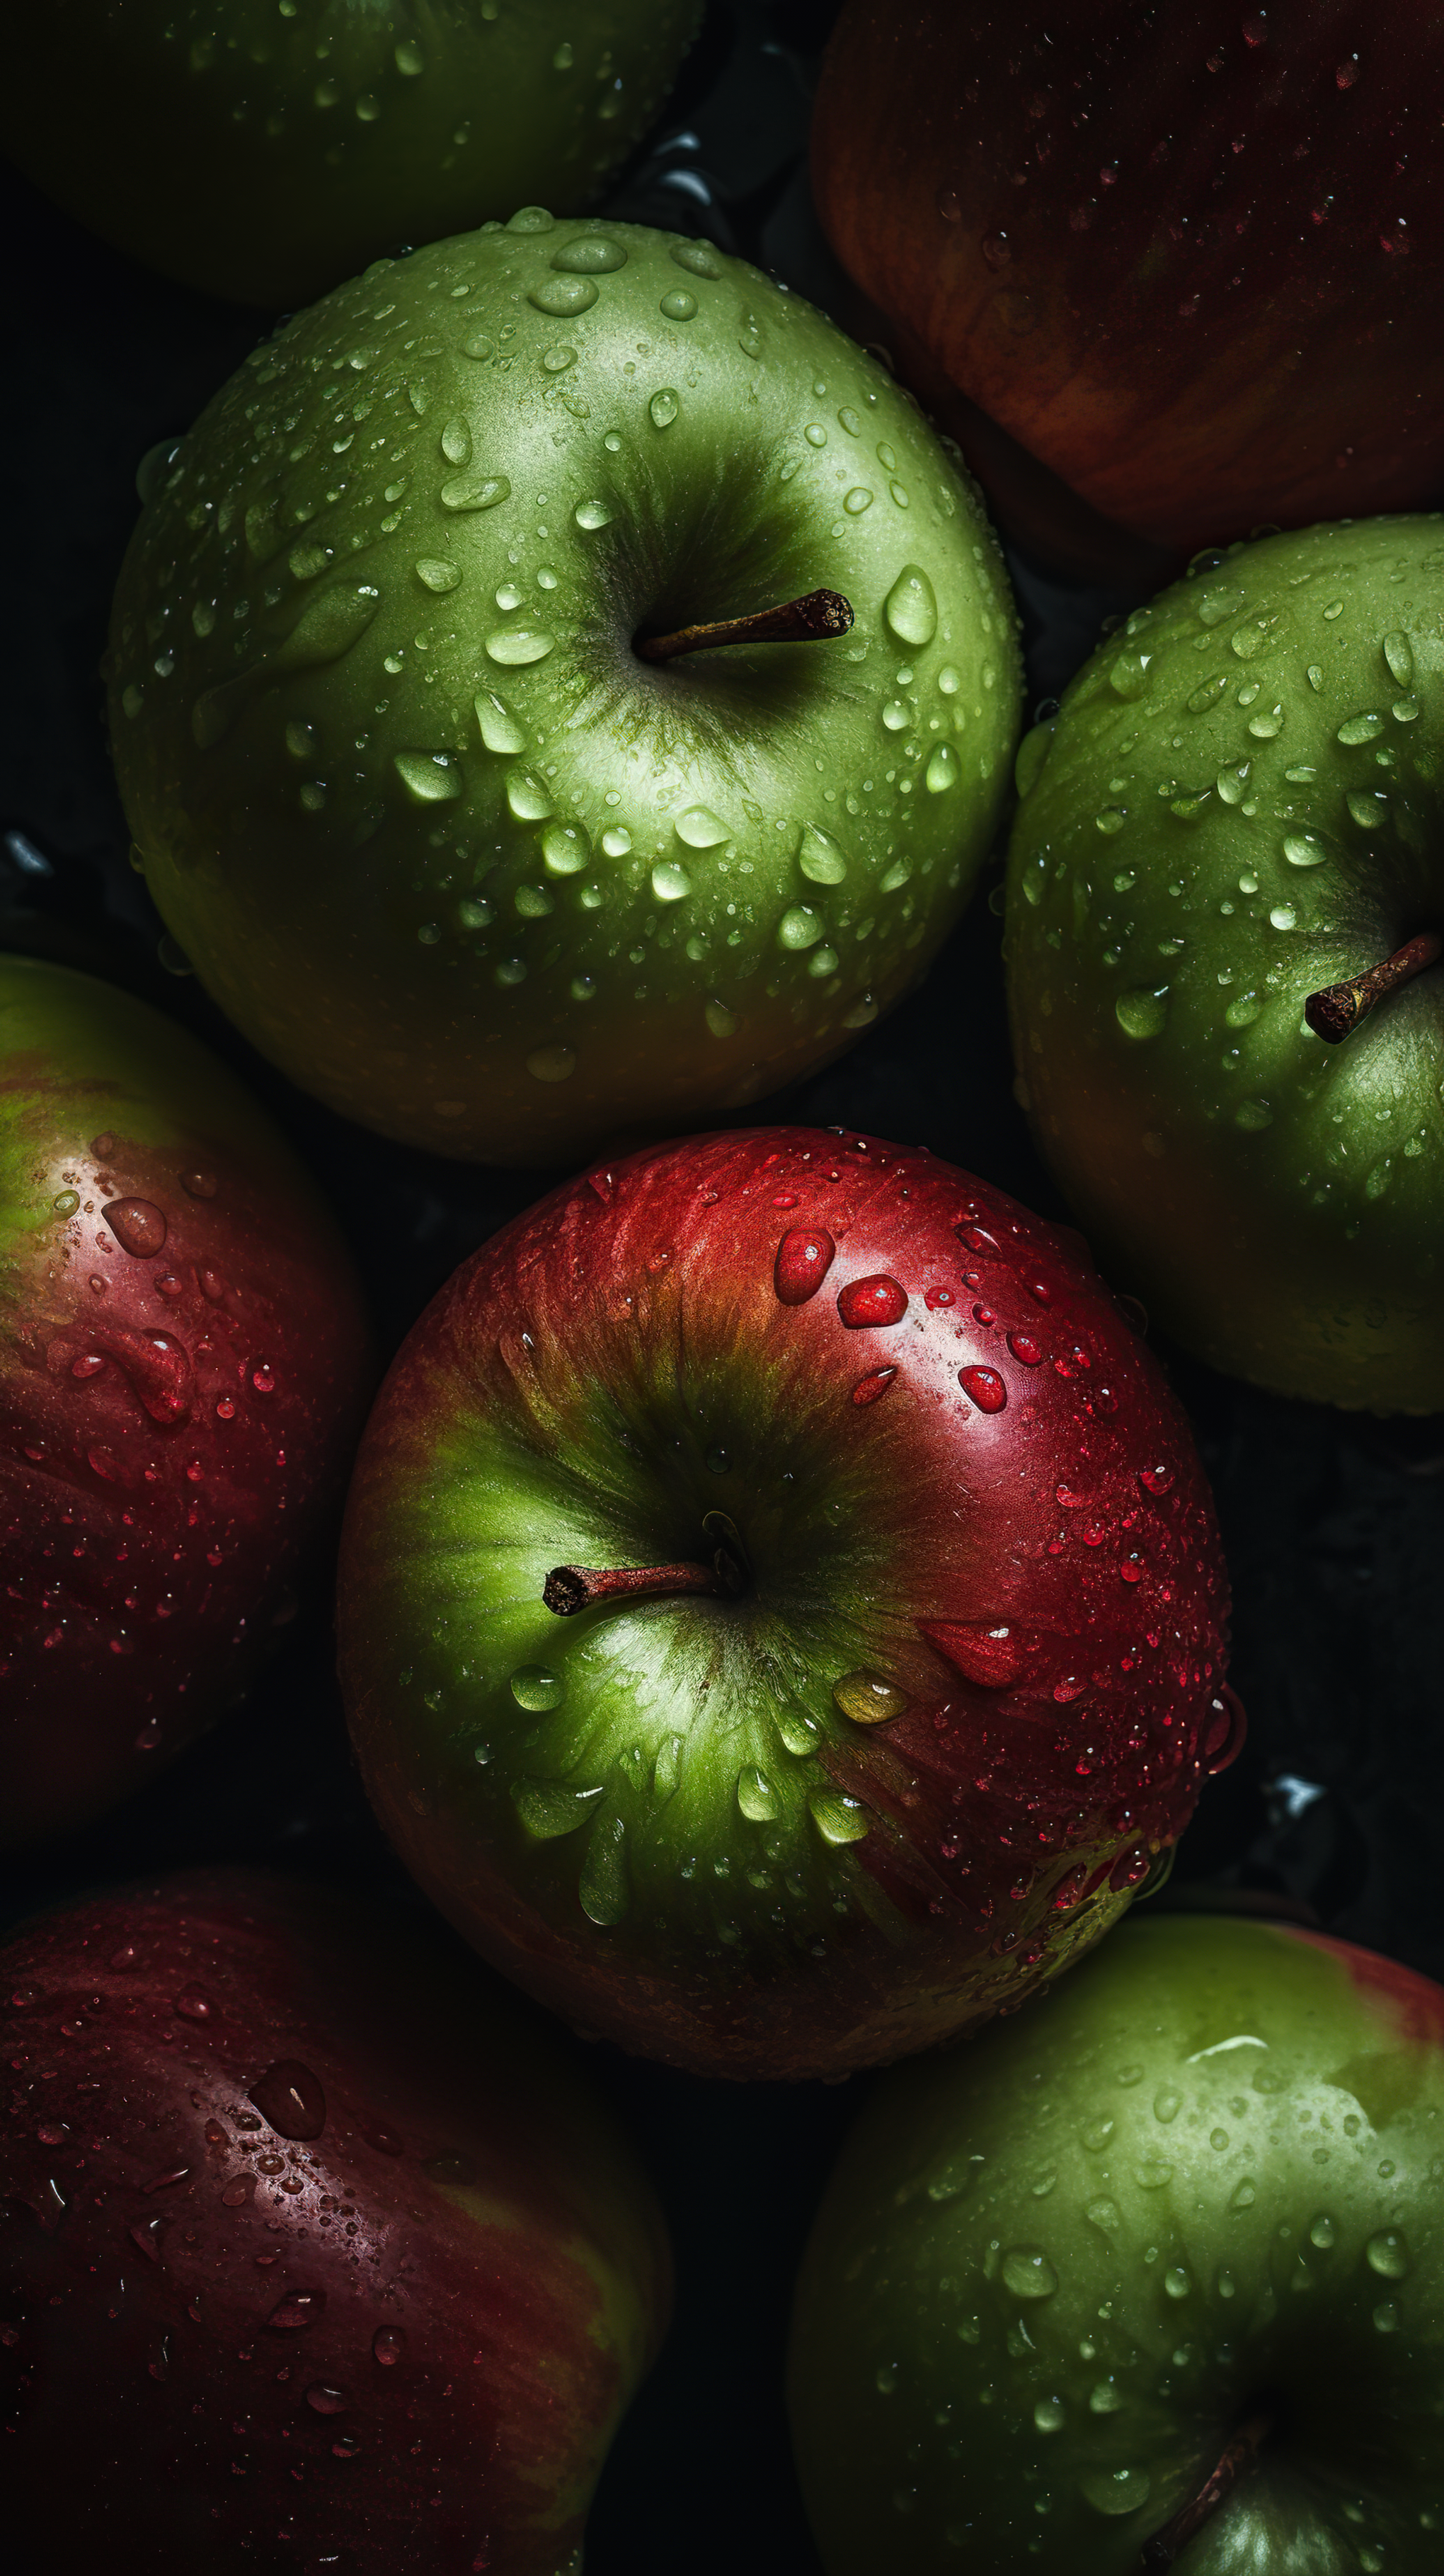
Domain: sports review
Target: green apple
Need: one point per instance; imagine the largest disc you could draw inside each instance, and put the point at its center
(264, 149)
(1238, 809)
(444, 844)
(1192, 2218)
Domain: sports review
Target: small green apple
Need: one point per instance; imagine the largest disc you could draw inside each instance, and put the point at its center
(1194, 2210)
(265, 149)
(430, 826)
(1238, 809)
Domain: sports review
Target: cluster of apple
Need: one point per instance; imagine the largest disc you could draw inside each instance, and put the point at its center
(563, 689)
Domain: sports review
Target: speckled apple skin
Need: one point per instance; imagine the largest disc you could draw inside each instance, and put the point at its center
(658, 1818)
(1052, 2274)
(428, 827)
(397, 2342)
(181, 1382)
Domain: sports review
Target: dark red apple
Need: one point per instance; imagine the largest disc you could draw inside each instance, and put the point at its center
(183, 1363)
(1170, 272)
(313, 2254)
(781, 1615)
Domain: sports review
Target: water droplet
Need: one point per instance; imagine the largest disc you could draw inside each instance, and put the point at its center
(868, 1389)
(602, 1887)
(1388, 2254)
(1178, 2282)
(298, 2308)
(719, 1461)
(821, 859)
(591, 254)
(985, 1387)
(756, 1796)
(194, 2004)
(514, 646)
(529, 797)
(942, 770)
(616, 841)
(1361, 728)
(868, 1699)
(867, 1303)
(911, 608)
(551, 1064)
(1243, 2196)
(290, 2097)
(838, 1818)
(431, 777)
(326, 2400)
(1167, 2104)
(1386, 2317)
(857, 500)
(592, 514)
(679, 306)
(804, 1258)
(700, 828)
(138, 1226)
(549, 1808)
(698, 258)
(1049, 2415)
(476, 491)
(670, 881)
(565, 848)
(199, 1185)
(437, 575)
(1323, 2233)
(563, 296)
(1141, 1012)
(532, 1686)
(1027, 2273)
(1116, 2491)
(663, 408)
(1128, 677)
(1399, 654)
(801, 926)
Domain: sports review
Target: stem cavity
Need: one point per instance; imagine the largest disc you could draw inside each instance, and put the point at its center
(1168, 2545)
(812, 619)
(1338, 1008)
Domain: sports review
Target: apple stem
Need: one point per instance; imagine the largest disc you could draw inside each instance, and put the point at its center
(809, 620)
(1168, 2545)
(1332, 1013)
(570, 1588)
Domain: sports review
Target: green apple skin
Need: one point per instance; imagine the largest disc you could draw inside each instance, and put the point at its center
(1241, 801)
(266, 151)
(1055, 2269)
(429, 829)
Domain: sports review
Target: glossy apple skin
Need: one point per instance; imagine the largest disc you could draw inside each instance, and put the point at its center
(265, 157)
(391, 2328)
(428, 828)
(658, 1818)
(1274, 1199)
(1054, 2271)
(1188, 264)
(184, 1363)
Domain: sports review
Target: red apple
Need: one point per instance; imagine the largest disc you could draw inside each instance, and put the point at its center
(1172, 272)
(183, 1361)
(781, 1613)
(313, 2255)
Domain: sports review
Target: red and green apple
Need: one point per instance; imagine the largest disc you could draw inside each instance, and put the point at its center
(463, 756)
(184, 1363)
(1224, 915)
(315, 2253)
(1153, 2279)
(265, 149)
(781, 1614)
(1167, 274)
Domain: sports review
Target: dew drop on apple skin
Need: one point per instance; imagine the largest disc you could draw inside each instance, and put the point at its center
(911, 608)
(868, 1699)
(1116, 2491)
(1388, 2254)
(1027, 2273)
(533, 1687)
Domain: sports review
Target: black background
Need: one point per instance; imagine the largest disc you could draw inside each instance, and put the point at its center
(1332, 1524)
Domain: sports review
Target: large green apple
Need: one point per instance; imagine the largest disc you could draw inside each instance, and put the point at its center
(432, 831)
(1239, 808)
(264, 149)
(1194, 2210)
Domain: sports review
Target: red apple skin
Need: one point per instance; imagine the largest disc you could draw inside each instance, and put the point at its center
(483, 2271)
(1187, 259)
(1037, 1580)
(183, 1365)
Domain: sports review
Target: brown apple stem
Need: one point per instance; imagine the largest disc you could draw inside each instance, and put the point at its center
(570, 1588)
(1339, 1008)
(809, 620)
(1168, 2545)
